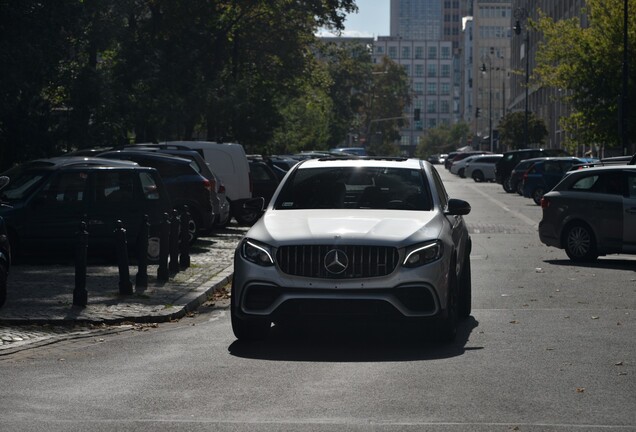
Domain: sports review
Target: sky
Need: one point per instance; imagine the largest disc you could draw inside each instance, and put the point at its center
(371, 20)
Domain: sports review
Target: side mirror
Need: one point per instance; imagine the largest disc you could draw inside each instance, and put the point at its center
(4, 180)
(457, 207)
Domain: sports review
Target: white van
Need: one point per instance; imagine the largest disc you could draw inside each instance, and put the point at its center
(229, 162)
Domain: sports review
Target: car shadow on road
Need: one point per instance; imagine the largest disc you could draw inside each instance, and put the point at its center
(601, 263)
(353, 342)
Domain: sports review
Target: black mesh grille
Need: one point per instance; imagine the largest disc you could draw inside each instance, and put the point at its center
(363, 261)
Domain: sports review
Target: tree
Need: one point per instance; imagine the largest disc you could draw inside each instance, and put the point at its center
(512, 130)
(442, 139)
(385, 97)
(586, 62)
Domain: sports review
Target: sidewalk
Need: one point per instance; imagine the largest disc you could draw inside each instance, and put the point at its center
(39, 294)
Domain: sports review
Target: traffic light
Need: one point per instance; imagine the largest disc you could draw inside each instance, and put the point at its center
(416, 114)
(477, 110)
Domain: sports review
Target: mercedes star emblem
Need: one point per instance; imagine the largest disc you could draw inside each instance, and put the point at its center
(336, 261)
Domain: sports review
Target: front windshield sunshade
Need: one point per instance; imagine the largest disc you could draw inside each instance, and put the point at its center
(355, 188)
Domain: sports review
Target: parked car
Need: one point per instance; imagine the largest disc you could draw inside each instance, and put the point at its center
(46, 200)
(438, 158)
(482, 168)
(591, 212)
(5, 252)
(506, 164)
(462, 155)
(355, 236)
(516, 175)
(264, 180)
(184, 184)
(229, 162)
(220, 204)
(458, 167)
(544, 174)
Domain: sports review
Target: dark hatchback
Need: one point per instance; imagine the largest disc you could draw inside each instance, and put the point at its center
(46, 200)
(510, 159)
(544, 174)
(184, 184)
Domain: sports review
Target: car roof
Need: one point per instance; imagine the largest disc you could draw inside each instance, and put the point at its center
(83, 161)
(362, 162)
(148, 155)
(603, 168)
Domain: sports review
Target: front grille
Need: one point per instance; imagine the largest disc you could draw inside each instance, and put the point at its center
(363, 261)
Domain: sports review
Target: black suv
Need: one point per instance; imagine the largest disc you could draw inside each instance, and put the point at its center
(510, 159)
(185, 185)
(46, 200)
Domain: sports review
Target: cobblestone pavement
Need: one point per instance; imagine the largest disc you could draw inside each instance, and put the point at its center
(39, 307)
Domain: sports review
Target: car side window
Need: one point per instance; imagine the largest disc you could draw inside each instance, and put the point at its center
(585, 183)
(67, 187)
(114, 186)
(631, 185)
(441, 191)
(149, 186)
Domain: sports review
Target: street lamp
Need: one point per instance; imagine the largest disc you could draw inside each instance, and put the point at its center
(520, 14)
(483, 70)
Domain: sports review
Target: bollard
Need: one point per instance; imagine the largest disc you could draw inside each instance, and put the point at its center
(80, 295)
(174, 242)
(141, 279)
(184, 244)
(125, 286)
(164, 241)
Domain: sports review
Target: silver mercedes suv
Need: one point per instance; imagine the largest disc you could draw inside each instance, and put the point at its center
(355, 237)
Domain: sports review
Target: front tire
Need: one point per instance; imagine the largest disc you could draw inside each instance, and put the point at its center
(447, 326)
(579, 243)
(4, 273)
(465, 289)
(507, 186)
(537, 194)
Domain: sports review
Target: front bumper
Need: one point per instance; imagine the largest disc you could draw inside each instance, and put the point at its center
(266, 292)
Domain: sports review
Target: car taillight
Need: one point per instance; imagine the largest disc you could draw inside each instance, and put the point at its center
(545, 203)
(221, 188)
(207, 185)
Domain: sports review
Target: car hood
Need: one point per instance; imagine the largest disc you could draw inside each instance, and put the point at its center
(394, 227)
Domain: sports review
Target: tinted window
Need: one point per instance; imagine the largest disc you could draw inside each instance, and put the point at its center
(66, 187)
(114, 186)
(613, 183)
(355, 188)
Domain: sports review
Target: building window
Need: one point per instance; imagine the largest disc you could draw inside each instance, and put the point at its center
(419, 52)
(419, 70)
(445, 89)
(444, 107)
(419, 88)
(431, 88)
(445, 70)
(393, 52)
(432, 70)
(432, 123)
(446, 52)
(431, 106)
(432, 52)
(406, 52)
(379, 49)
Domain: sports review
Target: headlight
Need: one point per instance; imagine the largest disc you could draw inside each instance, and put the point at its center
(256, 252)
(423, 254)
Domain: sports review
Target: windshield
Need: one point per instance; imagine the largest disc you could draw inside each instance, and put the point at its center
(355, 188)
(22, 182)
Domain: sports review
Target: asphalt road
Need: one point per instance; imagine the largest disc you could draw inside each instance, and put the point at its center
(549, 347)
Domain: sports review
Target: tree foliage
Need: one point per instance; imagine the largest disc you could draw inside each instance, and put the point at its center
(586, 63)
(442, 139)
(81, 73)
(512, 130)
